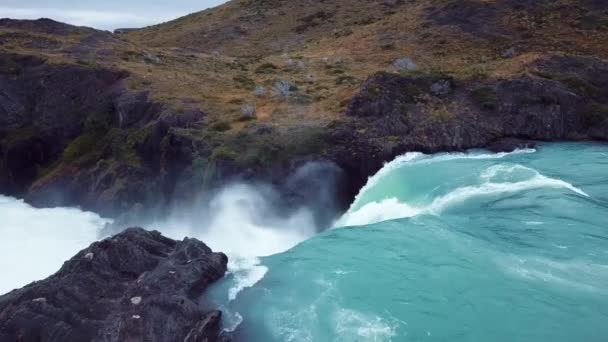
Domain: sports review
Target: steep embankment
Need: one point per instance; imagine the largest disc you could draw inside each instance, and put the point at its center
(135, 286)
(252, 89)
(74, 134)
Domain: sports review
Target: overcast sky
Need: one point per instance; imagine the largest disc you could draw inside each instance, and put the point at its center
(104, 14)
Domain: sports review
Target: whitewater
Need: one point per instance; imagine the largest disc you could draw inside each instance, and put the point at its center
(472, 246)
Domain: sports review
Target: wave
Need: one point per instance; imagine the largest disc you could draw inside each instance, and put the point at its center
(388, 209)
(463, 194)
(418, 158)
(579, 275)
(495, 180)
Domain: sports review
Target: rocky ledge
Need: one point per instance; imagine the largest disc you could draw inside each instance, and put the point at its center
(135, 286)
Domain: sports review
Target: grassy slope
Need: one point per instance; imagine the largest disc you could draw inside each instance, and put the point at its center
(211, 57)
(368, 36)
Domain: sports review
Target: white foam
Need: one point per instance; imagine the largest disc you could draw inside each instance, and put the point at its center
(463, 194)
(36, 242)
(534, 223)
(242, 222)
(388, 209)
(388, 168)
(246, 272)
(353, 325)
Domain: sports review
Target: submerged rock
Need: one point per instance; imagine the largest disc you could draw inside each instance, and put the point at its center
(140, 286)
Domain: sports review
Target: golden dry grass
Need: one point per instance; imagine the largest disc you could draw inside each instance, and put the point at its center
(207, 56)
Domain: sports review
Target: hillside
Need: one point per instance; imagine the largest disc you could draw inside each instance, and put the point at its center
(251, 88)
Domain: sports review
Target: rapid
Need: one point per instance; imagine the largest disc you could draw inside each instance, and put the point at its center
(457, 246)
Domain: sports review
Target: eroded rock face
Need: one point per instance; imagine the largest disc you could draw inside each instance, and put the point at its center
(42, 109)
(561, 100)
(135, 286)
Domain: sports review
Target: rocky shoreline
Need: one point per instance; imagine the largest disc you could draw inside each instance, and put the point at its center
(144, 162)
(135, 286)
(83, 122)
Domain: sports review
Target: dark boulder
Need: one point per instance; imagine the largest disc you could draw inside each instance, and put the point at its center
(135, 286)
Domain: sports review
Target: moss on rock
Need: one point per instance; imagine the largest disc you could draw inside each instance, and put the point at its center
(81, 146)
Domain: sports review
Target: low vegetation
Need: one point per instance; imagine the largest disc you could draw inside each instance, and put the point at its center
(486, 97)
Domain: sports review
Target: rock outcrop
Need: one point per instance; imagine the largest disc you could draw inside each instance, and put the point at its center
(135, 286)
(565, 98)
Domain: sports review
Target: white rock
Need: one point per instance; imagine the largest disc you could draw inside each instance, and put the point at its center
(89, 256)
(136, 300)
(405, 64)
(136, 316)
(39, 300)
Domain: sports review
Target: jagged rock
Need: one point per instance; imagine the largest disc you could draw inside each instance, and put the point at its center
(405, 64)
(248, 111)
(134, 107)
(566, 103)
(441, 87)
(43, 121)
(151, 58)
(509, 53)
(259, 91)
(510, 145)
(140, 286)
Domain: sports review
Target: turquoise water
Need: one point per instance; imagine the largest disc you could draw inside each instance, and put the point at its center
(453, 247)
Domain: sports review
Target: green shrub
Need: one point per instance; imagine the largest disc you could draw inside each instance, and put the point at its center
(81, 146)
(374, 89)
(346, 80)
(20, 134)
(245, 118)
(99, 121)
(266, 68)
(579, 85)
(244, 82)
(139, 136)
(221, 126)
(439, 115)
(224, 153)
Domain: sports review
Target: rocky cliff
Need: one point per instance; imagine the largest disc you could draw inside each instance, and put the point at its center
(135, 286)
(151, 118)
